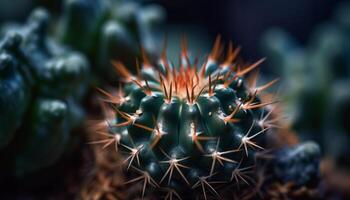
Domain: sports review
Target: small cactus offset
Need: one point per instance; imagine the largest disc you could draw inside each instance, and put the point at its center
(188, 129)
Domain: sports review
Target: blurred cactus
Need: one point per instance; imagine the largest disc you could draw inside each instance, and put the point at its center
(185, 128)
(292, 173)
(315, 77)
(298, 164)
(106, 30)
(43, 82)
(41, 86)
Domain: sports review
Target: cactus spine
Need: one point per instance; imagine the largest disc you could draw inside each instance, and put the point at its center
(185, 128)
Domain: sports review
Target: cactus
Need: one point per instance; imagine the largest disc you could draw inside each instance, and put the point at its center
(298, 164)
(43, 82)
(109, 30)
(293, 173)
(186, 128)
(289, 172)
(41, 86)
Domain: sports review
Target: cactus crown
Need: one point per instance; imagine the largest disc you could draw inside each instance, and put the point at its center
(186, 128)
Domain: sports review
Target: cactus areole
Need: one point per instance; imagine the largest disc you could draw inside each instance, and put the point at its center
(190, 128)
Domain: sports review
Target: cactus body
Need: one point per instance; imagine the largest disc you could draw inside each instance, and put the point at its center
(42, 83)
(189, 125)
(107, 30)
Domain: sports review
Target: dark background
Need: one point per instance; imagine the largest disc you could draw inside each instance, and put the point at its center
(239, 21)
(244, 21)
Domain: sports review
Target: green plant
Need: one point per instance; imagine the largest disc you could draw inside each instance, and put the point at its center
(110, 29)
(41, 86)
(185, 129)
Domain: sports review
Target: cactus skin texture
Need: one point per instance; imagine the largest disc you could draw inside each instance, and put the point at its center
(41, 85)
(186, 128)
(110, 29)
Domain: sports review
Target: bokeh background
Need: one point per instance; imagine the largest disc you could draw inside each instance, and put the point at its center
(240, 21)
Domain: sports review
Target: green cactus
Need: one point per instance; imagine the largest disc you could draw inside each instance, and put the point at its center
(41, 86)
(187, 127)
(106, 30)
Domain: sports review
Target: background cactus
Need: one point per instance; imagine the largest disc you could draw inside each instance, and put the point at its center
(44, 81)
(315, 78)
(109, 30)
(41, 86)
(291, 172)
(185, 128)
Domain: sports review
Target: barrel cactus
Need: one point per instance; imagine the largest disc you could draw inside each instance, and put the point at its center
(190, 128)
(110, 29)
(41, 86)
